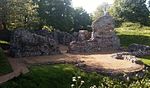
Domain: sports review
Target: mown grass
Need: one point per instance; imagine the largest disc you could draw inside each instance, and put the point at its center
(128, 36)
(3, 42)
(52, 76)
(146, 60)
(5, 67)
(60, 76)
(134, 33)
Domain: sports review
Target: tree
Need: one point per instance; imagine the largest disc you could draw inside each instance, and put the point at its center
(3, 14)
(22, 14)
(100, 10)
(17, 13)
(131, 10)
(56, 13)
(81, 19)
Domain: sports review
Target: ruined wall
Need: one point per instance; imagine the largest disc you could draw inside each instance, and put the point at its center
(24, 43)
(103, 37)
(63, 38)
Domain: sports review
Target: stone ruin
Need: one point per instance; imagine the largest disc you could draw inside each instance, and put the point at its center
(63, 38)
(24, 43)
(103, 38)
(83, 35)
(127, 56)
(139, 50)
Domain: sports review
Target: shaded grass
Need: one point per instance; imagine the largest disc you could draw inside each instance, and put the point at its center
(60, 76)
(57, 76)
(5, 67)
(127, 40)
(129, 36)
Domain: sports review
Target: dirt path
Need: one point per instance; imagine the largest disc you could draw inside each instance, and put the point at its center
(18, 68)
(93, 61)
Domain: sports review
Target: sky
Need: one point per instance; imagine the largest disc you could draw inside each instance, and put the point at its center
(89, 5)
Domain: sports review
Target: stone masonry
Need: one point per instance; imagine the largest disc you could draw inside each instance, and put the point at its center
(25, 43)
(103, 38)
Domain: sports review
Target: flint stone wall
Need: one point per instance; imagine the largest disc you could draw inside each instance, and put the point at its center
(63, 38)
(139, 50)
(103, 38)
(83, 35)
(24, 43)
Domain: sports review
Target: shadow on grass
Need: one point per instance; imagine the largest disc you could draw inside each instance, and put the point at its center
(126, 40)
(5, 67)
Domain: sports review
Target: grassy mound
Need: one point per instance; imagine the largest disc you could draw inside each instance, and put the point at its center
(60, 76)
(5, 67)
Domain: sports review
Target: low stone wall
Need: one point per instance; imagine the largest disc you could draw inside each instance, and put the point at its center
(139, 50)
(128, 56)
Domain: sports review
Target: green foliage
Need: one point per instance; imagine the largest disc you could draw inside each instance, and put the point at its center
(56, 13)
(18, 13)
(81, 19)
(48, 28)
(5, 67)
(100, 10)
(60, 15)
(131, 10)
(68, 76)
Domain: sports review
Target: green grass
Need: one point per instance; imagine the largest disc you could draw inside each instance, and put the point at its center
(3, 42)
(128, 36)
(5, 67)
(52, 76)
(146, 60)
(60, 76)
(134, 33)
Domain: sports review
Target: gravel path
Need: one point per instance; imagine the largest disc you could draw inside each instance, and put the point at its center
(18, 68)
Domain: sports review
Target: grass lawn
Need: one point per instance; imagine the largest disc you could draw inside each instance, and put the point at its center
(128, 36)
(52, 76)
(5, 67)
(134, 33)
(146, 60)
(60, 76)
(3, 42)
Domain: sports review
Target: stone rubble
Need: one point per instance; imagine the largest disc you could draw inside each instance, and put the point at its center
(127, 56)
(83, 35)
(103, 38)
(139, 50)
(24, 43)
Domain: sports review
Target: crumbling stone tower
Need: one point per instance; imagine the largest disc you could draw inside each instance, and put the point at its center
(103, 37)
